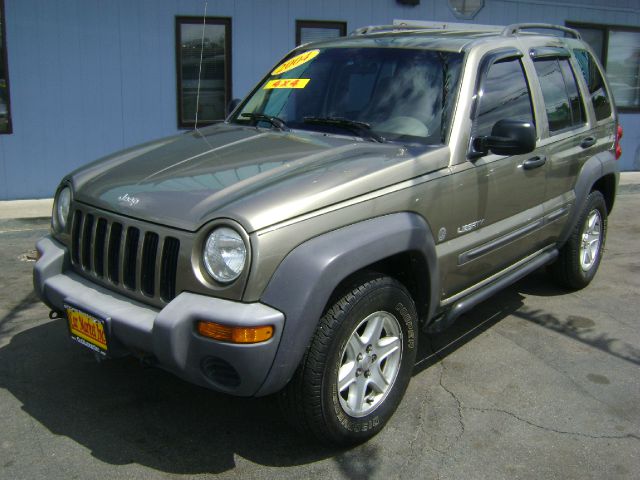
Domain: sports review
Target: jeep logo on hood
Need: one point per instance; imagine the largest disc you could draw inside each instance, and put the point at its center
(128, 200)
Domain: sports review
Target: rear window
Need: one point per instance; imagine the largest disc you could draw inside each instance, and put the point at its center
(593, 77)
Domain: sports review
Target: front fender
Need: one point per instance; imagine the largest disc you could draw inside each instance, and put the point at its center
(306, 278)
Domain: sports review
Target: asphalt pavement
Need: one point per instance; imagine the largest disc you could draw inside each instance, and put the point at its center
(534, 383)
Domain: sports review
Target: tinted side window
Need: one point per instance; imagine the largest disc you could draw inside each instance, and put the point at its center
(575, 100)
(505, 95)
(561, 97)
(593, 77)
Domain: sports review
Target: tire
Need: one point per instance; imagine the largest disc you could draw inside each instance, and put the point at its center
(580, 257)
(357, 366)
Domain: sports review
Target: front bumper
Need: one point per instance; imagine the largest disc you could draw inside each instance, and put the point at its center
(167, 335)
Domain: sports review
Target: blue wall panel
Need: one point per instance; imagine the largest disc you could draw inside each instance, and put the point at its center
(89, 77)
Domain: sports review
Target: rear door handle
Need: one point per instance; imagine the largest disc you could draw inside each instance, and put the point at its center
(588, 142)
(534, 162)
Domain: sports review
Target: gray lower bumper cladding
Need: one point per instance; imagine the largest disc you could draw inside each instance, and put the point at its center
(168, 335)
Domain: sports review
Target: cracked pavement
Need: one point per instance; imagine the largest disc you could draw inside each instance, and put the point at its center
(534, 383)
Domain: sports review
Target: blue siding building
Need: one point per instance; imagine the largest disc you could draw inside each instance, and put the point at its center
(84, 78)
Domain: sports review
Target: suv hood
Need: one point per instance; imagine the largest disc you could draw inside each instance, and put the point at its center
(257, 177)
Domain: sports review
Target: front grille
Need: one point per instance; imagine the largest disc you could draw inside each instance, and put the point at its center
(125, 255)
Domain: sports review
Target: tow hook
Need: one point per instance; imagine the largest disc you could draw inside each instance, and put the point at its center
(53, 315)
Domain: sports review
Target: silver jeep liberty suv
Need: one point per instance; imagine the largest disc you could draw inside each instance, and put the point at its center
(367, 188)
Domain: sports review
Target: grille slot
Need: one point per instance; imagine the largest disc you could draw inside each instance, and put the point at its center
(125, 256)
(148, 272)
(169, 266)
(115, 239)
(98, 252)
(130, 256)
(87, 236)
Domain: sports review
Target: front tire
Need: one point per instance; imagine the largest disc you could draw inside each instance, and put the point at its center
(358, 365)
(580, 257)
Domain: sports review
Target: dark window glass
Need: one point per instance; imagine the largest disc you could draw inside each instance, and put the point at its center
(504, 95)
(313, 30)
(593, 77)
(5, 110)
(595, 38)
(561, 98)
(213, 76)
(578, 116)
(404, 95)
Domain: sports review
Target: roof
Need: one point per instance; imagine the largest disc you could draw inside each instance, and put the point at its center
(437, 36)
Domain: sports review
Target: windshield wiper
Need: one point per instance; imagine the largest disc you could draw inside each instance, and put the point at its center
(362, 128)
(275, 121)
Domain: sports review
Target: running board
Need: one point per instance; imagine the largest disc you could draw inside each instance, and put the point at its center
(467, 303)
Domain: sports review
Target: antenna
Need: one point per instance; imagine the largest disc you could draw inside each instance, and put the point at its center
(204, 24)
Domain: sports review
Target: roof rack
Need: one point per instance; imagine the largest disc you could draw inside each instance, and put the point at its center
(404, 25)
(381, 29)
(514, 29)
(508, 31)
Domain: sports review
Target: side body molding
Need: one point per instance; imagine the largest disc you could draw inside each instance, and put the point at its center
(594, 169)
(306, 278)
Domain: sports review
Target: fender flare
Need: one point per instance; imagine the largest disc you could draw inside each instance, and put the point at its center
(306, 278)
(593, 170)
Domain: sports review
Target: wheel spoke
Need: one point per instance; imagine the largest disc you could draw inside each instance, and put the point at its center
(355, 345)
(373, 330)
(356, 394)
(377, 379)
(346, 375)
(386, 346)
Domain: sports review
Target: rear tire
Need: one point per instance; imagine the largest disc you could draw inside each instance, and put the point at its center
(358, 365)
(580, 257)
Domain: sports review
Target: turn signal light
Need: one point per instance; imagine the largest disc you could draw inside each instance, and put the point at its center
(225, 333)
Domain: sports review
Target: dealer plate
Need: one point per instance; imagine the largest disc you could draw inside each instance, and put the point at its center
(87, 329)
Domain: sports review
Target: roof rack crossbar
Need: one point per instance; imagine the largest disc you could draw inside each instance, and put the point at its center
(514, 29)
(385, 28)
(401, 25)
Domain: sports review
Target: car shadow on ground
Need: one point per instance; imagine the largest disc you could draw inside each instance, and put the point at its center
(126, 413)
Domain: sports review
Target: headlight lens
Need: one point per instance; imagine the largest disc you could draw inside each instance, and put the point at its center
(63, 204)
(224, 254)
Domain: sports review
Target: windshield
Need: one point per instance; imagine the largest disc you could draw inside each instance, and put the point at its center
(380, 94)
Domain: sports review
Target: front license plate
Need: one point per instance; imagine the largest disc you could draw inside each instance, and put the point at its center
(87, 330)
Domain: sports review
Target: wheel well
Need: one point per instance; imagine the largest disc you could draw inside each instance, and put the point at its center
(408, 268)
(607, 186)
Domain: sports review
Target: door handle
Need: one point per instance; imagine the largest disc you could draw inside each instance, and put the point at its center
(534, 162)
(588, 142)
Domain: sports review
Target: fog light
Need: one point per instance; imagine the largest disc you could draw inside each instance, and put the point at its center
(225, 333)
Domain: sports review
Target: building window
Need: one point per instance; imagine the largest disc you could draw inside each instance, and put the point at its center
(5, 104)
(618, 49)
(466, 9)
(213, 74)
(312, 30)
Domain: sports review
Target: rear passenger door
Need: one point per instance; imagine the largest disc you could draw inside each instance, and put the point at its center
(568, 138)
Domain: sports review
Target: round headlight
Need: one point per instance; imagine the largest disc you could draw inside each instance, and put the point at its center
(62, 207)
(224, 254)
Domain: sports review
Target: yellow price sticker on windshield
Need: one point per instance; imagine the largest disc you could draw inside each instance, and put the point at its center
(296, 61)
(287, 83)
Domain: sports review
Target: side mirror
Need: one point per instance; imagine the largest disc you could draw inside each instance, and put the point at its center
(232, 106)
(508, 137)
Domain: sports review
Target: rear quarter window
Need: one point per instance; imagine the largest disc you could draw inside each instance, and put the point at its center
(595, 83)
